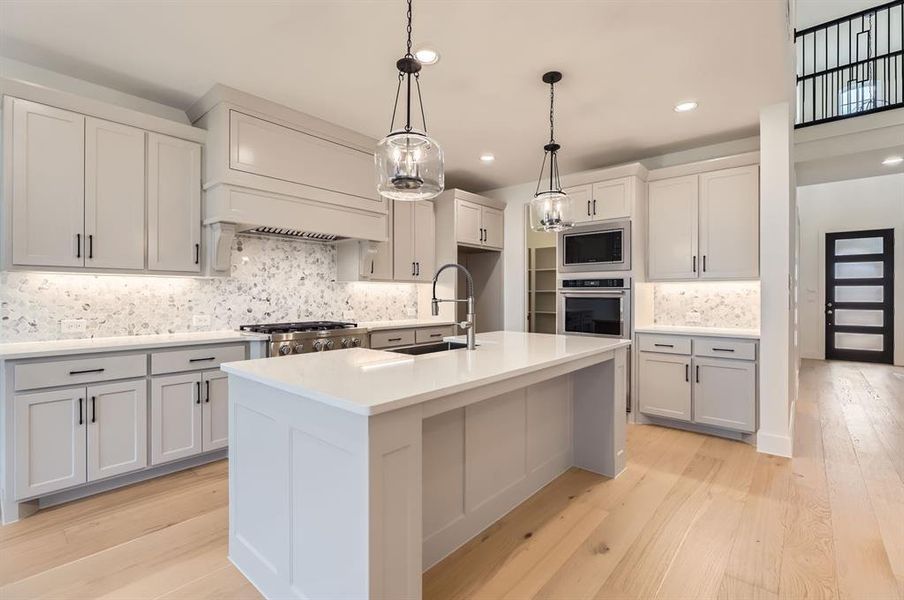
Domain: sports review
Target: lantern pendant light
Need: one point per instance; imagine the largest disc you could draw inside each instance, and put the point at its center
(409, 163)
(551, 208)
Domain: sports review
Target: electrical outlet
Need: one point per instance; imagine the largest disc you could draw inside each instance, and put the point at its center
(73, 325)
(693, 316)
(200, 321)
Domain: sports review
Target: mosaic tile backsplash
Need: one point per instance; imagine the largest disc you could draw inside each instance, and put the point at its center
(272, 280)
(708, 304)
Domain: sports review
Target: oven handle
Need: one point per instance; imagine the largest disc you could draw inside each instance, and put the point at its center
(582, 293)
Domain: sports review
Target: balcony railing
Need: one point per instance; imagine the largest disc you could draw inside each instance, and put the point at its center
(851, 66)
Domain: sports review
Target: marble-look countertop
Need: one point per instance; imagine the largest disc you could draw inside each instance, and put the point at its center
(16, 350)
(729, 332)
(403, 324)
(370, 382)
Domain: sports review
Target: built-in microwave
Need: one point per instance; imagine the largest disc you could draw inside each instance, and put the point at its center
(595, 247)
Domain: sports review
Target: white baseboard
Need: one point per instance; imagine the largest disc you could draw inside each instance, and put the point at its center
(769, 443)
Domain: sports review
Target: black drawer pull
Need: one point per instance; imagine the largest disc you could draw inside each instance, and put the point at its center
(436, 335)
(664, 345)
(207, 391)
(80, 420)
(197, 253)
(90, 246)
(198, 392)
(94, 409)
(394, 340)
(698, 373)
(83, 371)
(205, 359)
(723, 349)
(687, 373)
(78, 245)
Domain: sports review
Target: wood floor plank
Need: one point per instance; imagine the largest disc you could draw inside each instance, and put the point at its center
(226, 583)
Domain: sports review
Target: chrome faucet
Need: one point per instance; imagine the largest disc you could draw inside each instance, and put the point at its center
(468, 323)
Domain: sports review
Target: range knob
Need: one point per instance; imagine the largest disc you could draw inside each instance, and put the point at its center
(356, 342)
(346, 343)
(319, 345)
(329, 344)
(285, 349)
(299, 347)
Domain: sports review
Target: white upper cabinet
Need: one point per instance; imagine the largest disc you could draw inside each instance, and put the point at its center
(614, 199)
(730, 224)
(50, 441)
(468, 222)
(48, 185)
(705, 226)
(116, 414)
(414, 249)
(582, 202)
(478, 225)
(114, 195)
(174, 204)
(672, 233)
(424, 240)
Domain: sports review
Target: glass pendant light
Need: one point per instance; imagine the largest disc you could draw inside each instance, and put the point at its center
(551, 208)
(409, 163)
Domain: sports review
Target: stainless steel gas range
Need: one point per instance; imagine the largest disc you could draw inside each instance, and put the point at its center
(310, 336)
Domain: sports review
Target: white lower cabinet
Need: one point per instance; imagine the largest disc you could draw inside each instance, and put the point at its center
(175, 417)
(725, 393)
(50, 441)
(665, 388)
(116, 414)
(215, 411)
(685, 384)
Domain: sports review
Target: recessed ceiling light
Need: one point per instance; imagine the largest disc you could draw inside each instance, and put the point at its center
(893, 160)
(426, 56)
(487, 157)
(685, 106)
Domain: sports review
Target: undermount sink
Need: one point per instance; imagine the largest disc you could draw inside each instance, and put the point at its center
(431, 348)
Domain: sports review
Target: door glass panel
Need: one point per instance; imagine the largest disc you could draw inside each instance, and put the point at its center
(859, 341)
(859, 293)
(872, 318)
(859, 270)
(846, 247)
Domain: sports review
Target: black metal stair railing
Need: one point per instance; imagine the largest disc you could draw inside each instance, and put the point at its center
(851, 66)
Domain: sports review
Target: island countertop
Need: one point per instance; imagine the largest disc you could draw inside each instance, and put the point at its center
(371, 382)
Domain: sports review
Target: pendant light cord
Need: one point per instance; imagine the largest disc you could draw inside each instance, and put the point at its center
(552, 100)
(417, 82)
(408, 29)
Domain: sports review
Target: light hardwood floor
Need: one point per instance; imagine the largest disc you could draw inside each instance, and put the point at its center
(691, 517)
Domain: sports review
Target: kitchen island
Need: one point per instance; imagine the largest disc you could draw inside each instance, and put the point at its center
(351, 472)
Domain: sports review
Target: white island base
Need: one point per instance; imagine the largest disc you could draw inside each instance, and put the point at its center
(343, 491)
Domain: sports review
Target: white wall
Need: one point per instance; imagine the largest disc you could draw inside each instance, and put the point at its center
(871, 203)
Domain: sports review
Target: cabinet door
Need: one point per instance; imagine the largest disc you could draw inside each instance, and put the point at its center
(175, 417)
(403, 241)
(50, 441)
(117, 428)
(672, 235)
(114, 195)
(582, 202)
(730, 224)
(381, 261)
(467, 222)
(493, 227)
(613, 199)
(424, 241)
(48, 186)
(725, 393)
(215, 411)
(174, 204)
(664, 385)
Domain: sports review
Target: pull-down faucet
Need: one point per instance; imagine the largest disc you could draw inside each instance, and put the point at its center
(468, 323)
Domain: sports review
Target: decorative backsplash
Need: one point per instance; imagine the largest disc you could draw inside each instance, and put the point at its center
(734, 304)
(272, 280)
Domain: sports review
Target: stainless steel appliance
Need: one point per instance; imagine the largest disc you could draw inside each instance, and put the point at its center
(310, 336)
(595, 247)
(599, 307)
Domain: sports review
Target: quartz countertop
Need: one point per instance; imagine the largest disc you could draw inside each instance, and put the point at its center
(370, 382)
(730, 332)
(404, 324)
(16, 350)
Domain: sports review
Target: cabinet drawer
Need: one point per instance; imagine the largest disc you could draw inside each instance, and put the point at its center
(668, 344)
(192, 359)
(395, 337)
(81, 370)
(744, 350)
(433, 334)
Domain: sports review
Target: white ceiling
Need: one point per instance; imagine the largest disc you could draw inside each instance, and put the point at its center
(814, 12)
(626, 63)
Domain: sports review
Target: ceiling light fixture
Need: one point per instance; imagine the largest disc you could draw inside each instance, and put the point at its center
(685, 106)
(893, 160)
(427, 56)
(409, 163)
(550, 209)
(487, 158)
